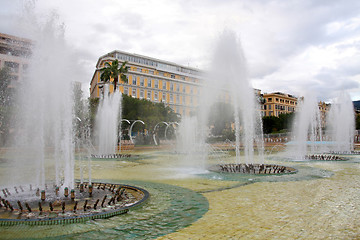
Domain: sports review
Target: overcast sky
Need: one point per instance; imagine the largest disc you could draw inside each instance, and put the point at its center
(290, 45)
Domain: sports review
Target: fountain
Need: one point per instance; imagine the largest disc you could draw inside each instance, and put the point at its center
(40, 187)
(308, 143)
(341, 125)
(229, 74)
(191, 153)
(307, 129)
(107, 124)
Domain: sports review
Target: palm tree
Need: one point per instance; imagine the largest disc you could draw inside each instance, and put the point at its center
(114, 71)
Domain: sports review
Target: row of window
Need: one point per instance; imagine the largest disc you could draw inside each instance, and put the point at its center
(154, 83)
(157, 96)
(282, 101)
(163, 74)
(14, 67)
(153, 63)
(279, 107)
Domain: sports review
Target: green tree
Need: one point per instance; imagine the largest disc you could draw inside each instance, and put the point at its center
(220, 118)
(114, 71)
(149, 112)
(136, 109)
(272, 124)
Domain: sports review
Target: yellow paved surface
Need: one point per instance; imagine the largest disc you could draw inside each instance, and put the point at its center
(315, 209)
(325, 208)
(320, 208)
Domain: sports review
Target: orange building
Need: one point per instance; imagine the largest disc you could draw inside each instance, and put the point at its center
(278, 103)
(156, 80)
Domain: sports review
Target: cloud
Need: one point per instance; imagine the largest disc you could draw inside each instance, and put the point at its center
(289, 45)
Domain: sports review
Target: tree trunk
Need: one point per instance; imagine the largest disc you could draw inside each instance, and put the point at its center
(115, 83)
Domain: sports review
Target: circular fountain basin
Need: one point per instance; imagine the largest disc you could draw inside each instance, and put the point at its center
(112, 156)
(324, 157)
(259, 169)
(345, 152)
(29, 205)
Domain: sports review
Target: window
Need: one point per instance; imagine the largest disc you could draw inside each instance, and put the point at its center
(149, 82)
(156, 98)
(178, 87)
(171, 86)
(134, 80)
(141, 81)
(133, 92)
(141, 94)
(269, 107)
(156, 84)
(184, 89)
(149, 95)
(151, 72)
(171, 98)
(13, 66)
(126, 91)
(177, 98)
(172, 76)
(13, 78)
(164, 85)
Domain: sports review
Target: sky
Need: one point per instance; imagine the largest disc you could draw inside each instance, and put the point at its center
(292, 46)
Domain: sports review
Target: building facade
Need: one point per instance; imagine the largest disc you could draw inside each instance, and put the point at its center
(156, 80)
(178, 86)
(278, 103)
(14, 55)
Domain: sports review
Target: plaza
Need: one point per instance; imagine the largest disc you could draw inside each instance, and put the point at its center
(168, 135)
(318, 202)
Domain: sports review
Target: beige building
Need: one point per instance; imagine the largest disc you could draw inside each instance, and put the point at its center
(155, 80)
(14, 54)
(278, 103)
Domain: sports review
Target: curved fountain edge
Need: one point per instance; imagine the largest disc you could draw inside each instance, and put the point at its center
(78, 219)
(292, 170)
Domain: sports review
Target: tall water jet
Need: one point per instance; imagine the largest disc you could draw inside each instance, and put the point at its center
(82, 132)
(191, 152)
(228, 79)
(49, 126)
(307, 128)
(43, 129)
(107, 122)
(341, 124)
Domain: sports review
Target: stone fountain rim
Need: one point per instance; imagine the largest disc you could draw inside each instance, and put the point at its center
(212, 169)
(81, 218)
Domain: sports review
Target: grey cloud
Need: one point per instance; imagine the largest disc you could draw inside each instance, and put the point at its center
(130, 19)
(100, 27)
